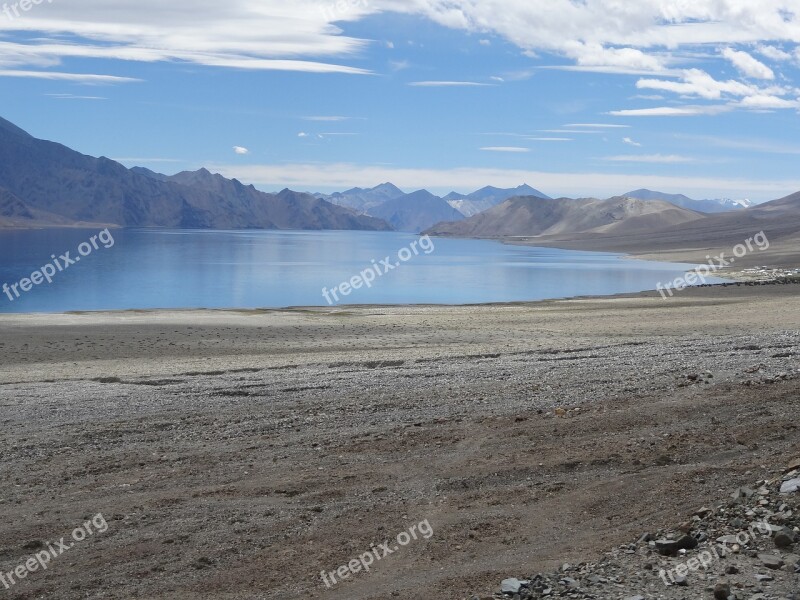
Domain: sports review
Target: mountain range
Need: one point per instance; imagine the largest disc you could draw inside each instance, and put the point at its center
(645, 228)
(422, 210)
(43, 183)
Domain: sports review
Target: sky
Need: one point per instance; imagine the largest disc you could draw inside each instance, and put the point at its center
(573, 97)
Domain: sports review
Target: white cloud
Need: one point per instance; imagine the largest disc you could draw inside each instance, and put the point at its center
(448, 84)
(572, 131)
(240, 34)
(650, 158)
(74, 77)
(505, 149)
(302, 134)
(305, 35)
(767, 102)
(630, 142)
(485, 42)
(74, 97)
(241, 150)
(623, 60)
(698, 83)
(747, 65)
(671, 111)
(773, 53)
(549, 139)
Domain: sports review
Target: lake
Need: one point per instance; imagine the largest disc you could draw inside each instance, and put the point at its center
(156, 268)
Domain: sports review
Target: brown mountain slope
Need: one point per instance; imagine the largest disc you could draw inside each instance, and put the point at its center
(693, 241)
(648, 236)
(532, 216)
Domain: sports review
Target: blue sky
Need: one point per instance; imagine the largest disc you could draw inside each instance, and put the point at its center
(591, 98)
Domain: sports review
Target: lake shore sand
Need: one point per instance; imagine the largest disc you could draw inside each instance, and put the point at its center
(237, 454)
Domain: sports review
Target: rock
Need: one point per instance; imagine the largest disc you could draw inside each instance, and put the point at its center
(761, 578)
(635, 598)
(791, 486)
(731, 570)
(681, 580)
(771, 561)
(742, 493)
(703, 512)
(793, 465)
(667, 547)
(569, 582)
(511, 586)
(785, 538)
(722, 591)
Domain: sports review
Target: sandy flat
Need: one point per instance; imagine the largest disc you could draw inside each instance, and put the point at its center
(236, 454)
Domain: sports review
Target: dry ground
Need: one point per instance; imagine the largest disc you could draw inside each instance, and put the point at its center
(238, 454)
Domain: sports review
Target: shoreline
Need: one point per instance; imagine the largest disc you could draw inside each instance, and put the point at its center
(737, 278)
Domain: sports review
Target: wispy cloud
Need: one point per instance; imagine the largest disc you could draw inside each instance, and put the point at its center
(448, 84)
(505, 149)
(748, 144)
(649, 158)
(75, 77)
(74, 97)
(598, 125)
(331, 119)
(630, 142)
(571, 131)
(241, 150)
(671, 111)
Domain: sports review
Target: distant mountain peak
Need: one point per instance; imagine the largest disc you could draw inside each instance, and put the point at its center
(707, 206)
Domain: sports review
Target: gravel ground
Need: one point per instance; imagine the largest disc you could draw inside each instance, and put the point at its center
(240, 454)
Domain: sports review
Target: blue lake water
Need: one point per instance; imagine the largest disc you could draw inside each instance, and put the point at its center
(153, 268)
